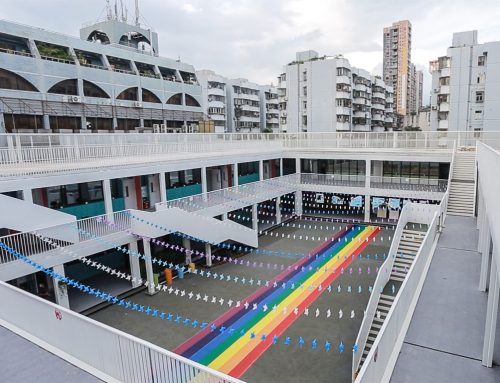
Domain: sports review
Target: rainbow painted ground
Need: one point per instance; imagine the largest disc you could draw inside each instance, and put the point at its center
(232, 353)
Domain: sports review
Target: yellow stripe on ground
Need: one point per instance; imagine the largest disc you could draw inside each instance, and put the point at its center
(228, 359)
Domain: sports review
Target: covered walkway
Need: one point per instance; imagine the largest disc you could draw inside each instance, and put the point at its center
(444, 342)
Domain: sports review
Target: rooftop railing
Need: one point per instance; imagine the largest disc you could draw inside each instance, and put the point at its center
(32, 153)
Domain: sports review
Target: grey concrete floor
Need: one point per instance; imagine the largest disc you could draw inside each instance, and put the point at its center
(24, 362)
(445, 338)
(280, 363)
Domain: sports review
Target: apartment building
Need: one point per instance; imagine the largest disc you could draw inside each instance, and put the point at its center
(416, 88)
(465, 92)
(269, 109)
(213, 88)
(396, 62)
(326, 94)
(110, 79)
(244, 106)
(282, 100)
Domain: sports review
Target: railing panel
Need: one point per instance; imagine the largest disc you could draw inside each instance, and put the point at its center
(113, 353)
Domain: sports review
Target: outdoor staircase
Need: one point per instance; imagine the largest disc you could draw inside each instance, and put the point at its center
(463, 184)
(409, 244)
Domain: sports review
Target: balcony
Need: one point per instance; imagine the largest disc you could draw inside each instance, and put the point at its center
(343, 94)
(445, 72)
(444, 89)
(380, 95)
(120, 65)
(343, 110)
(444, 107)
(443, 125)
(14, 45)
(52, 52)
(168, 74)
(343, 80)
(90, 59)
(343, 126)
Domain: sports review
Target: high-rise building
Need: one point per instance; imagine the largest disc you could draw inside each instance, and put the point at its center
(397, 62)
(415, 93)
(326, 94)
(465, 91)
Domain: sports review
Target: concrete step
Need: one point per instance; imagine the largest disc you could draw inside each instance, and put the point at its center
(396, 279)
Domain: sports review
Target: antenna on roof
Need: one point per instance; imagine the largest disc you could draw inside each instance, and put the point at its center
(109, 10)
(124, 15)
(137, 14)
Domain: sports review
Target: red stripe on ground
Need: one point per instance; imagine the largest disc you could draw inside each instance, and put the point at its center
(250, 359)
(228, 314)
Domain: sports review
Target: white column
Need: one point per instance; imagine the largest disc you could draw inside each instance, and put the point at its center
(485, 258)
(367, 208)
(46, 121)
(204, 180)
(235, 174)
(3, 129)
(186, 243)
(281, 167)
(261, 170)
(108, 200)
(149, 267)
(368, 173)
(278, 210)
(255, 217)
(60, 289)
(297, 166)
(208, 254)
(135, 267)
(163, 187)
(491, 314)
(27, 195)
(298, 203)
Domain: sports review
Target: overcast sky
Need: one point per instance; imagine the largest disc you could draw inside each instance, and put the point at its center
(255, 38)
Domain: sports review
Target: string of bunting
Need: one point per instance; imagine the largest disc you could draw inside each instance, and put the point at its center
(228, 259)
(203, 273)
(153, 312)
(198, 297)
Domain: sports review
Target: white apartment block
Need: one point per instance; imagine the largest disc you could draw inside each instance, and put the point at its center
(465, 93)
(282, 100)
(243, 106)
(326, 94)
(269, 109)
(213, 90)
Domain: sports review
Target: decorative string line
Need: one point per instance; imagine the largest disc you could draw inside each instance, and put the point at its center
(228, 246)
(174, 318)
(240, 248)
(226, 259)
(209, 274)
(315, 313)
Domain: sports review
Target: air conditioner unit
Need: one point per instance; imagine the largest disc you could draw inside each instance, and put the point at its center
(237, 129)
(137, 104)
(75, 99)
(156, 128)
(436, 90)
(434, 108)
